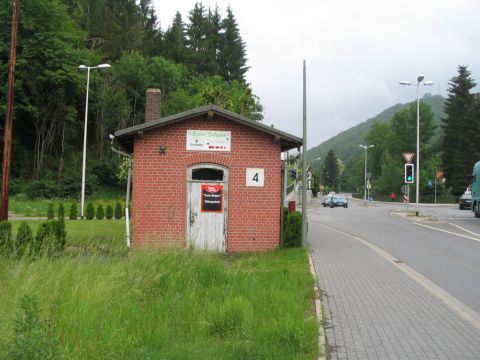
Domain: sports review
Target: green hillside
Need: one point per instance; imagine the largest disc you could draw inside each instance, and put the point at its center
(345, 144)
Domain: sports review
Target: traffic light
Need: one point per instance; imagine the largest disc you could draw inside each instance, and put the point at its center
(293, 173)
(409, 174)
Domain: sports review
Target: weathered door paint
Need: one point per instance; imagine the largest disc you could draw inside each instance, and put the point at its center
(207, 207)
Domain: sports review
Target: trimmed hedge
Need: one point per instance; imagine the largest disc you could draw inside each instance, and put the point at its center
(6, 239)
(118, 210)
(90, 213)
(293, 230)
(109, 212)
(73, 212)
(24, 240)
(100, 215)
(51, 238)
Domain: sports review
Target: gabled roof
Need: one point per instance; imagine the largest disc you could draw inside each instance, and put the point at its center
(126, 136)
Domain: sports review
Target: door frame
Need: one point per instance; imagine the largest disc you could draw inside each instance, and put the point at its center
(225, 197)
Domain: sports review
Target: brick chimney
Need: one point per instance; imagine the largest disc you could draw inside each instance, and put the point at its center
(153, 104)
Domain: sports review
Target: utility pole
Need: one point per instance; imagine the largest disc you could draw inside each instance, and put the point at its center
(7, 135)
(304, 161)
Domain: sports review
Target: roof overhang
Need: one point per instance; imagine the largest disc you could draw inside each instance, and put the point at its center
(126, 136)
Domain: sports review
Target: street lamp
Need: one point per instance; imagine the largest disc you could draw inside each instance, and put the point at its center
(427, 83)
(84, 67)
(308, 166)
(366, 147)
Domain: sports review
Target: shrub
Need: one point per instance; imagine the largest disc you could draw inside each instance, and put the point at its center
(293, 230)
(100, 214)
(61, 211)
(51, 238)
(23, 240)
(118, 210)
(41, 189)
(32, 336)
(73, 212)
(6, 241)
(50, 211)
(109, 212)
(90, 213)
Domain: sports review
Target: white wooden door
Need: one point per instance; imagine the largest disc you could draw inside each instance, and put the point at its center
(206, 215)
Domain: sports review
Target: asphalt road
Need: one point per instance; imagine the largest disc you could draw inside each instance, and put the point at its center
(443, 244)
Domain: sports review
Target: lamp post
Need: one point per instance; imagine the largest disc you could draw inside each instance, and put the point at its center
(417, 185)
(84, 67)
(366, 147)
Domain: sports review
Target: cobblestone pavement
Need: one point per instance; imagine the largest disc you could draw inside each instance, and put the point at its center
(375, 311)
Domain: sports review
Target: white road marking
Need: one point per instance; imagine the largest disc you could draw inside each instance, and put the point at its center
(448, 299)
(448, 232)
(462, 228)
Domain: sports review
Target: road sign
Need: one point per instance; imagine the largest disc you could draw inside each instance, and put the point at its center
(430, 183)
(408, 157)
(404, 189)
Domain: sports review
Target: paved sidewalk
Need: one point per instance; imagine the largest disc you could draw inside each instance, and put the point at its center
(375, 311)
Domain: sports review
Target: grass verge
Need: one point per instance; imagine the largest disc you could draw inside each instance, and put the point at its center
(158, 305)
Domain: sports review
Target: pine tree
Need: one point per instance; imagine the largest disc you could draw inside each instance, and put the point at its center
(90, 212)
(214, 39)
(459, 151)
(197, 39)
(330, 171)
(109, 212)
(152, 34)
(175, 40)
(232, 56)
(73, 212)
(61, 211)
(118, 210)
(50, 211)
(99, 213)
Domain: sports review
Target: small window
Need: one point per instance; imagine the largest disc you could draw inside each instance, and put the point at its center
(208, 174)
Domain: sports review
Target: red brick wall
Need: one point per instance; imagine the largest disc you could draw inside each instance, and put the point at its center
(160, 185)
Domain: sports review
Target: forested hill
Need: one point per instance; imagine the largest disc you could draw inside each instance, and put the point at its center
(198, 59)
(345, 144)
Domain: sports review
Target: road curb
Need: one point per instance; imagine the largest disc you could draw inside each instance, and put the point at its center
(319, 313)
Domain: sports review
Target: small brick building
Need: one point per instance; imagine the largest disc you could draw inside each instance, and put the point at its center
(207, 179)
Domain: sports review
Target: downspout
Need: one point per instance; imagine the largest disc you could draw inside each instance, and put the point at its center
(127, 197)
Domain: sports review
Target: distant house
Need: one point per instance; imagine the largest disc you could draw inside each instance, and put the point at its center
(206, 179)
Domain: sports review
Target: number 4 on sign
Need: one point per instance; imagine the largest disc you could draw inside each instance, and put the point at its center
(255, 177)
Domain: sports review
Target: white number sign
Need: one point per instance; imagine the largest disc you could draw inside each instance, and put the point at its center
(255, 177)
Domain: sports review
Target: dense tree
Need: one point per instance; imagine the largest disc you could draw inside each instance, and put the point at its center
(47, 80)
(391, 140)
(175, 40)
(331, 171)
(232, 56)
(56, 36)
(460, 149)
(152, 33)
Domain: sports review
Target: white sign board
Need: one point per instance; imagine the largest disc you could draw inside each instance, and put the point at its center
(255, 177)
(208, 140)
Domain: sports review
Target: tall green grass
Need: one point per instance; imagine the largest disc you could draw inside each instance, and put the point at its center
(176, 305)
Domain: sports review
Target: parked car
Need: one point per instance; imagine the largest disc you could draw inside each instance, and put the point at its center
(339, 200)
(465, 201)
(326, 200)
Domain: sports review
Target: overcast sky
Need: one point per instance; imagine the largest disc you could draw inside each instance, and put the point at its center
(356, 51)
